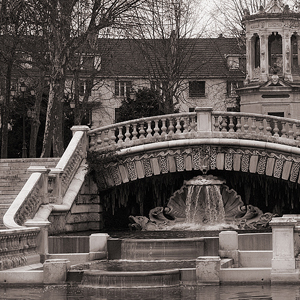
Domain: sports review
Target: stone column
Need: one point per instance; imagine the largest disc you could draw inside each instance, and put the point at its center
(286, 55)
(283, 262)
(250, 57)
(264, 61)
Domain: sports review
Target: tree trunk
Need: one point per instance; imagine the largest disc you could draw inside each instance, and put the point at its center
(35, 124)
(58, 143)
(6, 112)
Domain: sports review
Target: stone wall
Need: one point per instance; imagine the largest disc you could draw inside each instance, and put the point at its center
(84, 215)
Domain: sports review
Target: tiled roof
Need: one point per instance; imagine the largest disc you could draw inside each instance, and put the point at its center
(199, 58)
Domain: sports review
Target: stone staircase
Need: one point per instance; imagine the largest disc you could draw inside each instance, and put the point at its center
(13, 175)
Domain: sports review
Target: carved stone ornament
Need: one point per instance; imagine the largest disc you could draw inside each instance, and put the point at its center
(235, 211)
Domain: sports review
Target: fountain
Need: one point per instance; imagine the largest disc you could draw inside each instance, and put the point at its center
(203, 203)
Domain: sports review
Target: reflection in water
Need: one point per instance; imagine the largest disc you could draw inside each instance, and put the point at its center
(223, 292)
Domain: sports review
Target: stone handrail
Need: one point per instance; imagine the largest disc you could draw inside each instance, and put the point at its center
(61, 176)
(203, 123)
(44, 186)
(27, 202)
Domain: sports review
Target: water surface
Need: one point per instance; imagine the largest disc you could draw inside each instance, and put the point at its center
(223, 292)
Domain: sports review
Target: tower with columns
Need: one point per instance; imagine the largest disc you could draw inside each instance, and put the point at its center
(272, 83)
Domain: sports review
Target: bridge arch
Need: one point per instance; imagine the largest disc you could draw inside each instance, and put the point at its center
(232, 144)
(278, 161)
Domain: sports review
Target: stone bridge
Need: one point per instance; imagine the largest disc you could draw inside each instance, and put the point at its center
(202, 140)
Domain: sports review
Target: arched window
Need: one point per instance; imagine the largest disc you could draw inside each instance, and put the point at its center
(275, 53)
(295, 58)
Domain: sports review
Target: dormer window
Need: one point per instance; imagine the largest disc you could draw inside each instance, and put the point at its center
(233, 62)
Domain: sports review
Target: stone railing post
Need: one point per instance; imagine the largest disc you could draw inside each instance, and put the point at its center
(56, 183)
(283, 262)
(42, 238)
(204, 119)
(85, 129)
(45, 172)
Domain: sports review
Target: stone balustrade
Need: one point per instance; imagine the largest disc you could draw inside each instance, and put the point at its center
(202, 123)
(43, 186)
(18, 247)
(61, 176)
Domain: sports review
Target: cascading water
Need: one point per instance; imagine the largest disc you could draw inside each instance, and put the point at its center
(204, 204)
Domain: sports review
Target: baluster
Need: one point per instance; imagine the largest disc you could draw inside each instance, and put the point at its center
(224, 124)
(120, 135)
(186, 123)
(171, 128)
(291, 131)
(276, 129)
(178, 126)
(231, 125)
(113, 137)
(246, 125)
(149, 130)
(99, 141)
(193, 124)
(134, 132)
(142, 131)
(127, 134)
(92, 140)
(163, 128)
(298, 132)
(253, 126)
(269, 128)
(156, 129)
(106, 138)
(283, 130)
(216, 124)
(238, 124)
(261, 126)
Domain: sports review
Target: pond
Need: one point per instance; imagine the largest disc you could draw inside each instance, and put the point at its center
(223, 292)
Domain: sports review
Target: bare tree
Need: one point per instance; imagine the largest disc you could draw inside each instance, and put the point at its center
(66, 30)
(164, 32)
(14, 18)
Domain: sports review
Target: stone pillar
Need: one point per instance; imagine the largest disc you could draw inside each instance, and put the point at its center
(286, 55)
(283, 262)
(98, 245)
(204, 120)
(45, 172)
(250, 57)
(86, 140)
(55, 271)
(264, 60)
(42, 238)
(208, 270)
(228, 245)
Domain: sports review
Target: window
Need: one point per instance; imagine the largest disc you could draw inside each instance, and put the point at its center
(197, 89)
(122, 88)
(233, 62)
(85, 85)
(232, 86)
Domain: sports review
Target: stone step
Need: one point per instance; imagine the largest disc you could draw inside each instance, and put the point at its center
(252, 259)
(140, 279)
(246, 275)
